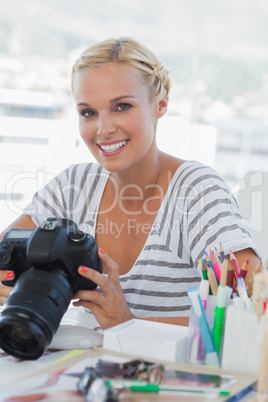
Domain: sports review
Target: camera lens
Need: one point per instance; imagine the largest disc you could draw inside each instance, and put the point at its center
(21, 334)
(33, 312)
(22, 339)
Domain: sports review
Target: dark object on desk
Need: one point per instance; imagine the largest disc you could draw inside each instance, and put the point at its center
(143, 370)
(45, 261)
(150, 372)
(94, 388)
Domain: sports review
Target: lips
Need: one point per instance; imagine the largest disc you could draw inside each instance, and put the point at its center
(113, 147)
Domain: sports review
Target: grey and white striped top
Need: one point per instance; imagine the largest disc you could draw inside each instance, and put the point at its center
(197, 213)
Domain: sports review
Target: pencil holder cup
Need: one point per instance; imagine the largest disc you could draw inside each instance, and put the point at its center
(242, 340)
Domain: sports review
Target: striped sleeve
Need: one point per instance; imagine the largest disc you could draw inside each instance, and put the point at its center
(68, 195)
(211, 214)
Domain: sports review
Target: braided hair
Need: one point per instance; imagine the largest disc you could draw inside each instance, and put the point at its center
(132, 54)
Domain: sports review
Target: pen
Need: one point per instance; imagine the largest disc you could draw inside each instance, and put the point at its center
(157, 388)
(154, 388)
(211, 354)
(219, 317)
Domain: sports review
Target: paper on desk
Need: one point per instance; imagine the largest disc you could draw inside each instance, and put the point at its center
(148, 340)
(48, 387)
(60, 385)
(12, 369)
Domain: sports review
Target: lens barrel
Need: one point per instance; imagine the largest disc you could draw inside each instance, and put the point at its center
(33, 312)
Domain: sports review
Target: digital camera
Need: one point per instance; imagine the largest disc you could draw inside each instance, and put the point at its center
(45, 261)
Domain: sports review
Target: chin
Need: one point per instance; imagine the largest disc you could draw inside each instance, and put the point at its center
(114, 166)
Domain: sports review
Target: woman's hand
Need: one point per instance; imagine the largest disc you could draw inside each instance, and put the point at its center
(110, 307)
(5, 290)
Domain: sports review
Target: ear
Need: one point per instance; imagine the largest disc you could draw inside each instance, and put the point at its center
(161, 107)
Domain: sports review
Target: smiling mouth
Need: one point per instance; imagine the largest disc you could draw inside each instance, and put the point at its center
(113, 147)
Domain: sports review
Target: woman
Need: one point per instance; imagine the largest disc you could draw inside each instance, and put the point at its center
(152, 215)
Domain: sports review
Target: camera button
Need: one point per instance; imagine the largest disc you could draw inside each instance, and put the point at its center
(77, 236)
(3, 256)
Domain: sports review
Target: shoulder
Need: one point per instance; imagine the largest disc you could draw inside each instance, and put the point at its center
(195, 174)
(199, 186)
(197, 169)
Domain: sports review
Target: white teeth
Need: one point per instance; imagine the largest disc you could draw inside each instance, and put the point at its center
(113, 147)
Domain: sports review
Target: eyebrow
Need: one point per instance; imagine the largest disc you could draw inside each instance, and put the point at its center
(111, 101)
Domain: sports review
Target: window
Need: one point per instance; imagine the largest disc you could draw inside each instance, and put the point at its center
(215, 51)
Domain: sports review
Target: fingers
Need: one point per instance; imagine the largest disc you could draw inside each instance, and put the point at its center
(6, 276)
(5, 291)
(109, 305)
(94, 276)
(111, 266)
(101, 280)
(92, 300)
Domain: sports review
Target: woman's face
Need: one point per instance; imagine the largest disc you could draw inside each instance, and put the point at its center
(117, 121)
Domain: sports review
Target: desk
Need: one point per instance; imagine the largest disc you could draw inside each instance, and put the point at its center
(31, 371)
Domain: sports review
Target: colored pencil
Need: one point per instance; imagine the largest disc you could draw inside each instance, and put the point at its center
(216, 265)
(209, 262)
(244, 270)
(222, 254)
(224, 272)
(212, 281)
(230, 275)
(234, 261)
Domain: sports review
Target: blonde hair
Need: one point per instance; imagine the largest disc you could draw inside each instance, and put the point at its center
(130, 53)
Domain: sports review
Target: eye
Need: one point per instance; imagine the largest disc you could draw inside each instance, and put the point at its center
(88, 113)
(122, 107)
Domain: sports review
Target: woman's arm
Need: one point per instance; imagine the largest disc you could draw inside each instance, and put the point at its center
(184, 321)
(24, 221)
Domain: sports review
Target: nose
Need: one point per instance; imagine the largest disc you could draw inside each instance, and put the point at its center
(106, 125)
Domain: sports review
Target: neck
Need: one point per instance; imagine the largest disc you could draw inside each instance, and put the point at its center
(135, 186)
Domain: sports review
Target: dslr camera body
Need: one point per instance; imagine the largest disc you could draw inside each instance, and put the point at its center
(45, 261)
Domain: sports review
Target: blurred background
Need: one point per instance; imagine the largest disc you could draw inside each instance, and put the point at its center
(216, 52)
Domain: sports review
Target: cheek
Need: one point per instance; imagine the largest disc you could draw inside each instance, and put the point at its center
(138, 124)
(85, 131)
